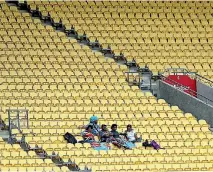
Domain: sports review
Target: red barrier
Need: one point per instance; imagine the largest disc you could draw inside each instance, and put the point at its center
(184, 80)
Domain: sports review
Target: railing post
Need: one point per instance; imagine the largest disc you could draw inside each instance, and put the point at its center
(18, 119)
(10, 128)
(27, 118)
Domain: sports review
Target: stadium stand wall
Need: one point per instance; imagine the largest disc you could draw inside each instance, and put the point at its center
(188, 103)
(206, 91)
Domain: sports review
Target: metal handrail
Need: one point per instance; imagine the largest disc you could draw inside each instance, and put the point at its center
(185, 71)
(185, 87)
(203, 78)
(133, 72)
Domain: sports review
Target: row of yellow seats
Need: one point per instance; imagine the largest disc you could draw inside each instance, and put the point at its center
(146, 130)
(164, 140)
(86, 150)
(41, 81)
(49, 62)
(43, 46)
(195, 42)
(119, 4)
(68, 100)
(138, 22)
(40, 126)
(28, 162)
(150, 49)
(154, 167)
(60, 86)
(205, 68)
(86, 77)
(124, 3)
(26, 35)
(189, 49)
(146, 28)
(125, 9)
(83, 52)
(146, 159)
(83, 70)
(117, 21)
(108, 101)
(63, 117)
(36, 43)
(85, 73)
(113, 30)
(27, 50)
(28, 26)
(104, 93)
(45, 139)
(24, 52)
(77, 94)
(132, 36)
(123, 13)
(168, 59)
(155, 40)
(59, 62)
(83, 107)
(146, 109)
(107, 107)
(75, 66)
(109, 119)
(66, 96)
(128, 13)
(87, 87)
(38, 168)
(141, 160)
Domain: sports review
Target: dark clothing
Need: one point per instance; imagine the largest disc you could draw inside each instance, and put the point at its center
(105, 135)
(96, 128)
(115, 134)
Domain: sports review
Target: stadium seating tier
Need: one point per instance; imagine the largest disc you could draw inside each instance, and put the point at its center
(63, 83)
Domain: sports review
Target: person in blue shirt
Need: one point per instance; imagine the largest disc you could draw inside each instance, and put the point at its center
(94, 123)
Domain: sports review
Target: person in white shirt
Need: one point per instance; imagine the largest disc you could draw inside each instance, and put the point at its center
(130, 134)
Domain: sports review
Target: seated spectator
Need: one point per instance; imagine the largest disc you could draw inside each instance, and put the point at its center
(114, 131)
(104, 134)
(88, 135)
(94, 123)
(130, 134)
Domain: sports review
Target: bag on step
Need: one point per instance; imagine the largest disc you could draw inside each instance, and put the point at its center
(155, 145)
(70, 138)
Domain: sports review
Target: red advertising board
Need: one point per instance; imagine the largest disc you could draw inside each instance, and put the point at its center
(183, 80)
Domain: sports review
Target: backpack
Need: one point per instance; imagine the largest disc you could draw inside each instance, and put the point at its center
(155, 145)
(70, 138)
(146, 144)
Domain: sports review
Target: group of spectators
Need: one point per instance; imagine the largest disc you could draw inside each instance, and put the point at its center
(104, 135)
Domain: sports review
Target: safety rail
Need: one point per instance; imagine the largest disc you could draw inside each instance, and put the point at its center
(140, 78)
(15, 120)
(185, 89)
(184, 71)
(134, 78)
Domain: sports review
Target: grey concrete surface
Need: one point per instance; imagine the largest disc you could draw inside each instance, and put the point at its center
(204, 91)
(186, 102)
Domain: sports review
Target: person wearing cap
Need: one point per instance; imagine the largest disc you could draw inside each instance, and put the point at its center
(94, 123)
(130, 134)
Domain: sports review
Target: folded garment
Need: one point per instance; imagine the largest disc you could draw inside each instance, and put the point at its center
(100, 146)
